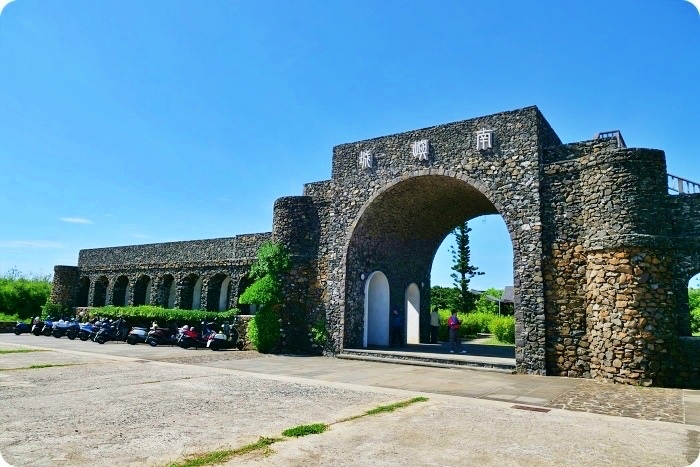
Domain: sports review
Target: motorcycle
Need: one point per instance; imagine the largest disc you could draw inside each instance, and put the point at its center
(69, 328)
(21, 327)
(224, 340)
(190, 338)
(162, 336)
(137, 335)
(47, 329)
(89, 330)
(116, 331)
(37, 326)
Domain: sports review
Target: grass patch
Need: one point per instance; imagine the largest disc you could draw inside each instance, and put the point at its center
(494, 341)
(218, 457)
(3, 352)
(8, 318)
(305, 430)
(40, 365)
(394, 406)
(263, 444)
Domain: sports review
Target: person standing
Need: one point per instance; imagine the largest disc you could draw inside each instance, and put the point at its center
(434, 326)
(453, 324)
(396, 324)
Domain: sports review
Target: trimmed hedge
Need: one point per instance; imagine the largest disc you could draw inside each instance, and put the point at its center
(695, 321)
(146, 314)
(503, 328)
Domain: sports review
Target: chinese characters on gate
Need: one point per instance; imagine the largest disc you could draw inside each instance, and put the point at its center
(365, 160)
(483, 139)
(421, 149)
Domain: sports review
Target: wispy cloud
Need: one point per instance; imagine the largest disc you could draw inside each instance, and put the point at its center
(75, 220)
(3, 4)
(30, 244)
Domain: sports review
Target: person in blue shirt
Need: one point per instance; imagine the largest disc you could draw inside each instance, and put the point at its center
(396, 325)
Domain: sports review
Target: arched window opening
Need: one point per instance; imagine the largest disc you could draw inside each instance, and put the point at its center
(120, 293)
(100, 295)
(83, 292)
(142, 291)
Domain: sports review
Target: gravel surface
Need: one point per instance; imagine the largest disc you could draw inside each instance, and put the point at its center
(121, 413)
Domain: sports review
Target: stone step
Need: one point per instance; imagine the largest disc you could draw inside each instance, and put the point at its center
(459, 361)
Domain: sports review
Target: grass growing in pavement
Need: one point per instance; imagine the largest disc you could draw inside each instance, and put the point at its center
(39, 365)
(394, 406)
(305, 430)
(218, 457)
(263, 444)
(2, 352)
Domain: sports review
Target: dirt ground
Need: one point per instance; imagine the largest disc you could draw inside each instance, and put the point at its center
(114, 410)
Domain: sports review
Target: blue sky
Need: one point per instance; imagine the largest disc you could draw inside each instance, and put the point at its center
(126, 122)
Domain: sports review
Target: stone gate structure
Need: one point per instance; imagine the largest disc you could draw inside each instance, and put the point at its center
(602, 252)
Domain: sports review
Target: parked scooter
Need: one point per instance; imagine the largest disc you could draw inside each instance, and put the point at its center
(137, 335)
(116, 331)
(37, 326)
(163, 336)
(69, 328)
(47, 329)
(227, 338)
(191, 338)
(89, 330)
(22, 327)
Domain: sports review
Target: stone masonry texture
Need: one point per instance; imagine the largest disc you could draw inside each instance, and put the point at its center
(602, 253)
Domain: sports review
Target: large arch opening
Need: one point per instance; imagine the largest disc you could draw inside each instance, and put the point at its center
(167, 291)
(142, 291)
(399, 232)
(692, 309)
(191, 292)
(83, 292)
(120, 293)
(218, 292)
(99, 297)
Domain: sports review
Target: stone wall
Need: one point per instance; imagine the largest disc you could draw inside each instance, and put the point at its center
(602, 253)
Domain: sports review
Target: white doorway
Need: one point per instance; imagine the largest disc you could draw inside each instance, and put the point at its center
(376, 310)
(224, 294)
(412, 314)
(197, 295)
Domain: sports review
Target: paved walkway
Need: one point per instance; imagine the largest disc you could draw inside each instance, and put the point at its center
(661, 404)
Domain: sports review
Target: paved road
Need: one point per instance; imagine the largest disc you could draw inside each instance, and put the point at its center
(143, 405)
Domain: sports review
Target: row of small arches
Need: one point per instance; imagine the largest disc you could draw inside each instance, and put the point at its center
(195, 292)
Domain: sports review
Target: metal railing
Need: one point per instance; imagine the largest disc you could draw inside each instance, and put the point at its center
(612, 134)
(681, 185)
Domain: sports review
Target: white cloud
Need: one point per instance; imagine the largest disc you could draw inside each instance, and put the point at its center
(76, 220)
(3, 4)
(695, 3)
(30, 244)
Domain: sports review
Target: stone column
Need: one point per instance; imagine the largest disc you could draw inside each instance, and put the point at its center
(65, 285)
(630, 315)
(296, 226)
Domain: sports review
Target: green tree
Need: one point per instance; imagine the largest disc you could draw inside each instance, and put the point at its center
(266, 291)
(463, 270)
(444, 298)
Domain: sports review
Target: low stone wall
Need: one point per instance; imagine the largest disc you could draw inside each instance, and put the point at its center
(7, 326)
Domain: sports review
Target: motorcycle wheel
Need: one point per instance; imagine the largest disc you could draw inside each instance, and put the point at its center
(185, 345)
(100, 339)
(239, 345)
(71, 335)
(84, 337)
(153, 342)
(47, 333)
(57, 335)
(214, 346)
(36, 332)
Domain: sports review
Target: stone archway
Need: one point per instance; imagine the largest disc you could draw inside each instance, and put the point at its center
(398, 231)
(376, 310)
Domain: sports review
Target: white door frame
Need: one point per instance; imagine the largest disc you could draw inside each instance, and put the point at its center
(412, 314)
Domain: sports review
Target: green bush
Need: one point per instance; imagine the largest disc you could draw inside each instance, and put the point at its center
(22, 296)
(484, 305)
(145, 314)
(503, 328)
(54, 310)
(264, 329)
(695, 321)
